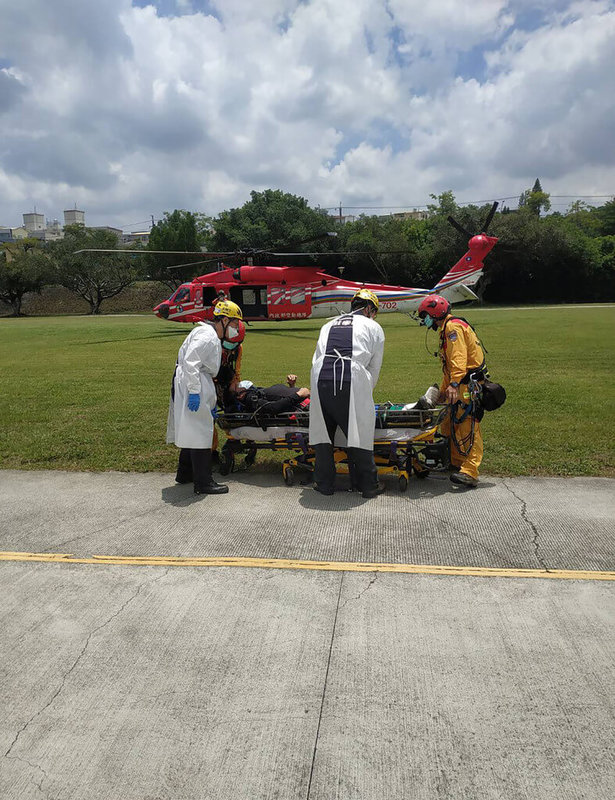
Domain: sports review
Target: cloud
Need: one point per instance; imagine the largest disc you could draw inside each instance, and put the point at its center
(133, 109)
(11, 90)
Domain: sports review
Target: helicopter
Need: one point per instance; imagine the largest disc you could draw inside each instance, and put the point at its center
(309, 292)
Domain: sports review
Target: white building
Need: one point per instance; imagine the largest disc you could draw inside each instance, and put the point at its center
(12, 234)
(416, 214)
(73, 216)
(33, 222)
(142, 237)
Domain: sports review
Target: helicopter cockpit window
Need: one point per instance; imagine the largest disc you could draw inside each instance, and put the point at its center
(183, 293)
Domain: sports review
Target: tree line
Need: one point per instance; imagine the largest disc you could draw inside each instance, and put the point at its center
(540, 257)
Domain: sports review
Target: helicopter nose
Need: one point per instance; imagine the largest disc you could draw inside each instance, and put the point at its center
(162, 310)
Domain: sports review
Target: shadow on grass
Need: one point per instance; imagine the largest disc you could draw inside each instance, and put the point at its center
(307, 333)
(157, 335)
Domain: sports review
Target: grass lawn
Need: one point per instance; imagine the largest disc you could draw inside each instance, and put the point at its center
(91, 393)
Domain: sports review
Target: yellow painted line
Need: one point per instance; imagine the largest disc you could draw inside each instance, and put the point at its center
(335, 566)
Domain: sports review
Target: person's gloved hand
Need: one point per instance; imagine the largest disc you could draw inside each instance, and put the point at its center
(194, 401)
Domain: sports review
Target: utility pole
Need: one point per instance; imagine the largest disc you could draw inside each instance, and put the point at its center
(153, 223)
(340, 212)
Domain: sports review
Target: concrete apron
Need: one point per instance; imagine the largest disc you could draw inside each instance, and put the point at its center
(135, 682)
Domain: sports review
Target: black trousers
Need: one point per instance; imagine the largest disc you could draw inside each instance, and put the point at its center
(335, 407)
(194, 465)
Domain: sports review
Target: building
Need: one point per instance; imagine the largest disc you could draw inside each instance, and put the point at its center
(74, 217)
(118, 233)
(142, 237)
(416, 214)
(34, 222)
(343, 218)
(12, 234)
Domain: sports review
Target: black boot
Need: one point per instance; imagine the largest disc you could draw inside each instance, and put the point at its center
(201, 468)
(184, 467)
(366, 474)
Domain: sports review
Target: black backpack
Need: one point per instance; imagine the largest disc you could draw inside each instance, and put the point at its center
(493, 395)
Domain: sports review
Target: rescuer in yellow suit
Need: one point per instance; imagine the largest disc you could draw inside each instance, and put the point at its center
(462, 357)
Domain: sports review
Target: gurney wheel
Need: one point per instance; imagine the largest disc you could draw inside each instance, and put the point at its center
(289, 476)
(402, 483)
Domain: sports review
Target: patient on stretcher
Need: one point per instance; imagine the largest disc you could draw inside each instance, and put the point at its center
(277, 399)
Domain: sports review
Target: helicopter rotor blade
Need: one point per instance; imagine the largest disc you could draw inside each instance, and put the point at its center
(195, 264)
(343, 253)
(490, 216)
(156, 252)
(317, 238)
(459, 227)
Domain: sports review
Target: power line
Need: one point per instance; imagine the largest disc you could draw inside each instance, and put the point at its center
(466, 202)
(130, 224)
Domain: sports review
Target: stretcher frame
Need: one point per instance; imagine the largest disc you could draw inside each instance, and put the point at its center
(419, 454)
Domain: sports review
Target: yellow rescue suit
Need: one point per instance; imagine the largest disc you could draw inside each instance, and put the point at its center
(460, 352)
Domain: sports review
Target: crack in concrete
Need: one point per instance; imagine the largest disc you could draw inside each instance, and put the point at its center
(57, 692)
(324, 688)
(529, 522)
(38, 785)
(372, 581)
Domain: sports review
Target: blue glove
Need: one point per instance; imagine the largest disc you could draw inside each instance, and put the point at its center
(214, 412)
(194, 401)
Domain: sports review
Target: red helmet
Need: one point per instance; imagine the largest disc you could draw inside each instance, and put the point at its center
(435, 305)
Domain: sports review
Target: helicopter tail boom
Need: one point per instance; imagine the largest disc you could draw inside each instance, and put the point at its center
(469, 268)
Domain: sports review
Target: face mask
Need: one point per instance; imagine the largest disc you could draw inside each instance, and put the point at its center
(229, 345)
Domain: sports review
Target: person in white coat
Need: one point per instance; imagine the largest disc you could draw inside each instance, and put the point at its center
(190, 424)
(345, 369)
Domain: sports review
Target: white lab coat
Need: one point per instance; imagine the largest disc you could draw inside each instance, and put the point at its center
(198, 362)
(367, 352)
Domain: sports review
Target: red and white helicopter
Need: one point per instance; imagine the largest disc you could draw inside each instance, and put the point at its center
(293, 292)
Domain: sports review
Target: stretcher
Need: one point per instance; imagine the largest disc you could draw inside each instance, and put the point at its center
(406, 442)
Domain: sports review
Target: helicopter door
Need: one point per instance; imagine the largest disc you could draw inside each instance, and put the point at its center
(290, 302)
(252, 300)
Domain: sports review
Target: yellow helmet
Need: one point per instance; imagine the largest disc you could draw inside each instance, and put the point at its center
(226, 308)
(367, 294)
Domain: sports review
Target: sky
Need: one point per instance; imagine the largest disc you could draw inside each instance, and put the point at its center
(130, 109)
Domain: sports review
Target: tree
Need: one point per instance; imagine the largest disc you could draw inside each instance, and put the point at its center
(535, 200)
(373, 237)
(175, 231)
(269, 220)
(23, 268)
(606, 215)
(577, 206)
(204, 228)
(93, 276)
(447, 205)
